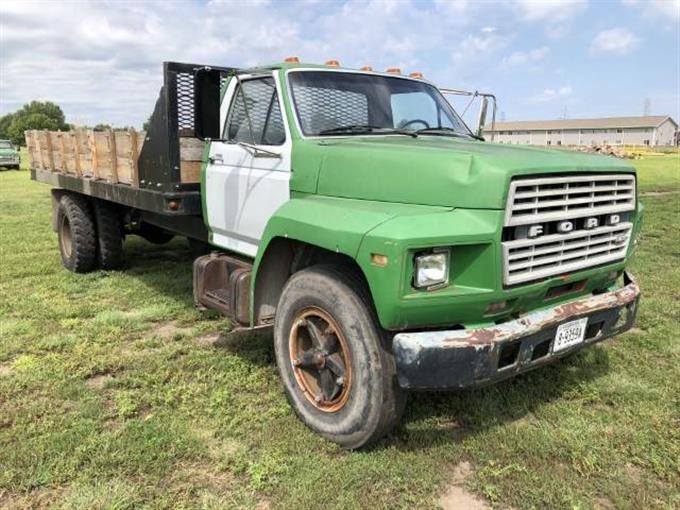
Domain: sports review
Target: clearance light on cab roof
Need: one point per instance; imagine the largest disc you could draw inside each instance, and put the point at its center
(332, 63)
(292, 60)
(366, 68)
(417, 75)
(393, 70)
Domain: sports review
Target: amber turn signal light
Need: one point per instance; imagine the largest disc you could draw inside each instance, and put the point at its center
(332, 63)
(292, 60)
(393, 70)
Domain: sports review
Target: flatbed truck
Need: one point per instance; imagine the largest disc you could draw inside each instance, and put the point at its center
(387, 246)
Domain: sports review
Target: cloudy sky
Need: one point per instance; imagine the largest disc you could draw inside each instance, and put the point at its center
(101, 60)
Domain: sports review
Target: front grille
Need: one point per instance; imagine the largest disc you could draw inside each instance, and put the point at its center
(561, 224)
(555, 198)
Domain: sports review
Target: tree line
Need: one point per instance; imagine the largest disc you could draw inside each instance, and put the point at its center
(39, 115)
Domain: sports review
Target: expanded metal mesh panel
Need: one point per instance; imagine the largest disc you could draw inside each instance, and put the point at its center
(561, 224)
(264, 113)
(325, 108)
(185, 101)
(554, 198)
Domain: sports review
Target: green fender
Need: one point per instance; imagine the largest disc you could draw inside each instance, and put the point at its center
(335, 224)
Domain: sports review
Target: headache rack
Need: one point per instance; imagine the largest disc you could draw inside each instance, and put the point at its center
(156, 170)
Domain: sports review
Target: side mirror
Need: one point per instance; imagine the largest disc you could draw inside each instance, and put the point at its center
(207, 94)
(483, 107)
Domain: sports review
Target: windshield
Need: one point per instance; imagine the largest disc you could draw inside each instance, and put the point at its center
(331, 103)
(4, 144)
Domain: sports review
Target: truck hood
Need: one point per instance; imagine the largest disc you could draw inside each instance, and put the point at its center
(8, 152)
(440, 171)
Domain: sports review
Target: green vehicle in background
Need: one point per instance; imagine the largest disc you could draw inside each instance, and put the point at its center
(9, 155)
(387, 246)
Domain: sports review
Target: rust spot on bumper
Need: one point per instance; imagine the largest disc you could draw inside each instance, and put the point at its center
(474, 351)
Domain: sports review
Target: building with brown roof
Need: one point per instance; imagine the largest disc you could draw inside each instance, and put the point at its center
(653, 130)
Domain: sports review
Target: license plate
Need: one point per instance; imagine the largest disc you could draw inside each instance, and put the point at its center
(570, 333)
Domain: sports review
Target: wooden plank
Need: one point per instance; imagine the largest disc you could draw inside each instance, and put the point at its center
(54, 148)
(123, 163)
(48, 147)
(111, 140)
(30, 145)
(191, 156)
(62, 152)
(190, 171)
(190, 149)
(93, 152)
(75, 143)
(36, 160)
(134, 157)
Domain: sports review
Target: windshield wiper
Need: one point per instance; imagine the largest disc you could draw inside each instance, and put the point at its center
(447, 131)
(361, 129)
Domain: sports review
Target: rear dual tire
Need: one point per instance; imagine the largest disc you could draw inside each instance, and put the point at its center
(77, 234)
(90, 234)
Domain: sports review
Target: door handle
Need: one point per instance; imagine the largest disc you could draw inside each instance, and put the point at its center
(216, 158)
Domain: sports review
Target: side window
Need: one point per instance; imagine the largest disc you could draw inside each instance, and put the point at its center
(262, 103)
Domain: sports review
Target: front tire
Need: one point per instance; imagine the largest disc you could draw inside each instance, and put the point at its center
(77, 235)
(337, 368)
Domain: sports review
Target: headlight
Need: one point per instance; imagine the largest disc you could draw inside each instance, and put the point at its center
(432, 270)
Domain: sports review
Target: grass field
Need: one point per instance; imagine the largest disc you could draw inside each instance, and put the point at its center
(116, 393)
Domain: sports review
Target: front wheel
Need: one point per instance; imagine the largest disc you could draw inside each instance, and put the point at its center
(337, 368)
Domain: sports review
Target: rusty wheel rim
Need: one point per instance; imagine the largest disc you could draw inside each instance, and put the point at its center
(321, 360)
(65, 237)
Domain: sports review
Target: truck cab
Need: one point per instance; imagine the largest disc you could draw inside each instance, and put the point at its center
(389, 247)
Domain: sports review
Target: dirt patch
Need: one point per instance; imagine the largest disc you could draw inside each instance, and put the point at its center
(169, 330)
(527, 420)
(98, 381)
(634, 473)
(604, 504)
(5, 369)
(35, 500)
(456, 496)
(211, 340)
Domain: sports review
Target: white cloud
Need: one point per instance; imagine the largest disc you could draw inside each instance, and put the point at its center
(618, 41)
(519, 58)
(551, 94)
(550, 11)
(479, 45)
(104, 64)
(662, 8)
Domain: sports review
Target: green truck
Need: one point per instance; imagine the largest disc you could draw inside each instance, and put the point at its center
(387, 246)
(9, 155)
